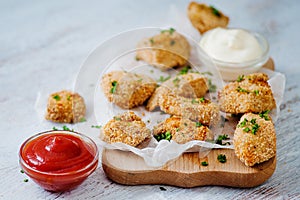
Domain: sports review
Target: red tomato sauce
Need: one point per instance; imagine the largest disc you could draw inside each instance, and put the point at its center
(57, 153)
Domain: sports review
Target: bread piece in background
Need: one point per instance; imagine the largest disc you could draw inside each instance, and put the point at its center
(166, 50)
(204, 17)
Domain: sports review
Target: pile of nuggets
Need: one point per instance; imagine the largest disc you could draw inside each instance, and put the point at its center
(182, 97)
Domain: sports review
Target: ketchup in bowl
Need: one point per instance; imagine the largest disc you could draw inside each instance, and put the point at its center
(58, 160)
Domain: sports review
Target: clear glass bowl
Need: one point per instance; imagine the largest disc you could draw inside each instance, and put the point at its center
(231, 70)
(55, 181)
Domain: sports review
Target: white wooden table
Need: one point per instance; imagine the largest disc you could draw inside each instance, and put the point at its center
(42, 46)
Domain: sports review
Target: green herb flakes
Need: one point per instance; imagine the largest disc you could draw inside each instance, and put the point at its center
(56, 97)
(172, 42)
(220, 139)
(265, 115)
(114, 85)
(25, 180)
(171, 31)
(222, 158)
(176, 82)
(82, 119)
(215, 11)
(240, 78)
(96, 126)
(163, 79)
(22, 171)
(204, 163)
(212, 87)
(198, 124)
(185, 70)
(163, 136)
(256, 92)
(239, 89)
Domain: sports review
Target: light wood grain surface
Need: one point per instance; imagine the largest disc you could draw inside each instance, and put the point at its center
(43, 43)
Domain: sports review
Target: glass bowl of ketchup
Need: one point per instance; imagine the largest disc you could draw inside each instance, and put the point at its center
(58, 160)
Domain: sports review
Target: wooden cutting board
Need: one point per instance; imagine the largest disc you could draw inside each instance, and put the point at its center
(186, 171)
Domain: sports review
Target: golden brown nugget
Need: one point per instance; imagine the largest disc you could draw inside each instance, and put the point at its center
(169, 49)
(254, 139)
(127, 90)
(127, 128)
(196, 109)
(65, 107)
(205, 17)
(191, 85)
(250, 93)
(182, 130)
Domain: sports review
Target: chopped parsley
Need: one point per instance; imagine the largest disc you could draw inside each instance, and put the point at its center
(212, 87)
(114, 87)
(69, 98)
(220, 139)
(208, 73)
(171, 31)
(172, 42)
(265, 115)
(194, 101)
(65, 128)
(204, 163)
(198, 124)
(163, 136)
(25, 180)
(185, 123)
(253, 126)
(222, 158)
(56, 97)
(215, 11)
(82, 119)
(117, 118)
(96, 126)
(176, 82)
(240, 78)
(140, 80)
(202, 99)
(185, 70)
(151, 41)
(256, 92)
(54, 128)
(177, 129)
(239, 89)
(22, 171)
(163, 79)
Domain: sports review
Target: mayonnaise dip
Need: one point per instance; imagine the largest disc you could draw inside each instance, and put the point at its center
(231, 45)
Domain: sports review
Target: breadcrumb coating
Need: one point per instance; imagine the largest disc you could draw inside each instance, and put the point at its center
(204, 17)
(191, 85)
(253, 147)
(250, 93)
(197, 109)
(168, 49)
(183, 130)
(127, 90)
(65, 107)
(127, 128)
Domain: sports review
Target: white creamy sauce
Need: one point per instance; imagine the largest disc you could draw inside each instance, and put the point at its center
(231, 45)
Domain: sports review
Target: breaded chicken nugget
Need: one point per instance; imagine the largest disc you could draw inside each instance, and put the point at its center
(127, 128)
(205, 17)
(197, 109)
(65, 107)
(168, 49)
(250, 93)
(182, 130)
(254, 139)
(191, 85)
(127, 90)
